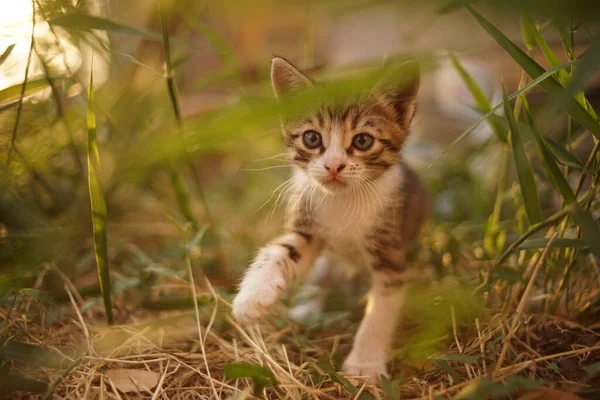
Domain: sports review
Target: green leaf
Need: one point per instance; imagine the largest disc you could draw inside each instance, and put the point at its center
(98, 205)
(31, 354)
(583, 218)
(587, 67)
(77, 20)
(444, 366)
(592, 369)
(261, 376)
(12, 92)
(557, 243)
(553, 60)
(529, 192)
(390, 388)
(563, 155)
(589, 229)
(534, 83)
(6, 53)
(481, 100)
(11, 381)
(534, 70)
(554, 172)
(528, 30)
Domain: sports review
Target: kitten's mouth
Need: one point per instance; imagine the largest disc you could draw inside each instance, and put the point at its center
(334, 182)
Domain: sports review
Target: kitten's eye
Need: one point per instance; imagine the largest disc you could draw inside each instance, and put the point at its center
(311, 139)
(363, 141)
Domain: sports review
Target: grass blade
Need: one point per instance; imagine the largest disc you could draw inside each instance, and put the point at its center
(481, 100)
(562, 155)
(534, 70)
(535, 82)
(552, 169)
(81, 21)
(98, 205)
(524, 171)
(6, 53)
(583, 218)
(587, 67)
(528, 30)
(12, 92)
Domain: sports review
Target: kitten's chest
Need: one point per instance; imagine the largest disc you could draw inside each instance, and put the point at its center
(344, 225)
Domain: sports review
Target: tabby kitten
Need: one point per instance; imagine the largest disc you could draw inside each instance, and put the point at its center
(353, 200)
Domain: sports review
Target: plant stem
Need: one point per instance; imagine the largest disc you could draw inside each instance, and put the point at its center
(13, 138)
(175, 103)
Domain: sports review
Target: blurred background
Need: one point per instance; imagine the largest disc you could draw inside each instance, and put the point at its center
(190, 154)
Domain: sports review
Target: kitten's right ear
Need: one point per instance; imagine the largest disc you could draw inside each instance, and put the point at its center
(286, 78)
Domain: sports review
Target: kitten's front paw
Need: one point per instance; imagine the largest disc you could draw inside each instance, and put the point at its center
(369, 369)
(258, 292)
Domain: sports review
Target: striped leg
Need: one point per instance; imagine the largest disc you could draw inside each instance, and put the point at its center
(277, 265)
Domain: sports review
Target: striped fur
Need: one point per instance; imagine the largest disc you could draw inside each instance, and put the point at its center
(364, 215)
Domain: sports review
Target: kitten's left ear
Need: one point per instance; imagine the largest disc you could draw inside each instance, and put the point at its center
(403, 97)
(286, 78)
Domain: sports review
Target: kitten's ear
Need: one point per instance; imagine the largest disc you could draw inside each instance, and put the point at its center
(403, 96)
(286, 78)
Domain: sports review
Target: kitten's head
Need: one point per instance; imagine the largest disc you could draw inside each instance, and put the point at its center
(341, 146)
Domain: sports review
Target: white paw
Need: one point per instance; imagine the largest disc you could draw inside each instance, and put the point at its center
(259, 290)
(369, 369)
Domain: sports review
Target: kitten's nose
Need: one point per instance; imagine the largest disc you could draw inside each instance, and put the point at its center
(334, 168)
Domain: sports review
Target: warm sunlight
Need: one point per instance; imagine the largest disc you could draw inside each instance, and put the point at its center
(53, 48)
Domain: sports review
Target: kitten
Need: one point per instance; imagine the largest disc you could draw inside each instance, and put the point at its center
(353, 200)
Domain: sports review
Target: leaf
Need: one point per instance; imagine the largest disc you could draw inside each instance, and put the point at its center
(534, 70)
(534, 83)
(390, 388)
(589, 229)
(550, 56)
(133, 380)
(563, 155)
(11, 381)
(583, 218)
(31, 354)
(77, 20)
(554, 173)
(11, 92)
(37, 294)
(98, 205)
(592, 369)
(527, 184)
(261, 376)
(528, 30)
(6, 53)
(481, 100)
(587, 67)
(444, 366)
(557, 243)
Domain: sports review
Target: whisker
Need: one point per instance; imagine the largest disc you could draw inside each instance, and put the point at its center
(266, 168)
(286, 154)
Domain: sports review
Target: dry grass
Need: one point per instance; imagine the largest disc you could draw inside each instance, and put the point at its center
(187, 352)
